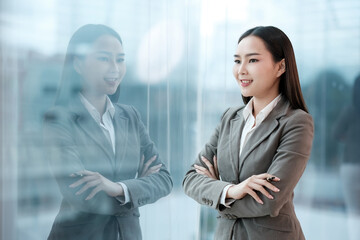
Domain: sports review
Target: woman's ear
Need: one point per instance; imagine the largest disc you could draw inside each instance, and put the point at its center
(77, 63)
(282, 67)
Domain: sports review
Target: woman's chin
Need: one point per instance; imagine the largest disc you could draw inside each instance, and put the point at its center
(245, 94)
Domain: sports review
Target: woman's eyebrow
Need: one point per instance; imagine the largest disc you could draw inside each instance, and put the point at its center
(109, 53)
(247, 55)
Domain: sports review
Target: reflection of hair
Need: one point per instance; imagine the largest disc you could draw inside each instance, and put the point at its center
(356, 93)
(71, 82)
(280, 47)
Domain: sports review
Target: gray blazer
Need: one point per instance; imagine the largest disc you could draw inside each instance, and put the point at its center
(280, 146)
(75, 142)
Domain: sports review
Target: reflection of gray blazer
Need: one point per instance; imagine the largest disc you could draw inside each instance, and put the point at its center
(280, 146)
(75, 142)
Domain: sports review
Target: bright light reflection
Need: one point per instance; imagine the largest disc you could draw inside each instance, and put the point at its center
(160, 51)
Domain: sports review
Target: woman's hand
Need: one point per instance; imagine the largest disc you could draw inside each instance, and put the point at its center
(252, 184)
(145, 169)
(211, 172)
(98, 183)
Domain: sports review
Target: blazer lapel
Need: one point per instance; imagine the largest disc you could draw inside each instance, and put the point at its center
(236, 126)
(91, 128)
(264, 130)
(121, 125)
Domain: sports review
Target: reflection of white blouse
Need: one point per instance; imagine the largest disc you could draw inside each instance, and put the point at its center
(251, 124)
(106, 124)
(105, 121)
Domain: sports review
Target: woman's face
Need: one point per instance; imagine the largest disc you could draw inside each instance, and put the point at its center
(255, 70)
(103, 67)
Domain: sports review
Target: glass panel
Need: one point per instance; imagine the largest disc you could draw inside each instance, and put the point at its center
(179, 58)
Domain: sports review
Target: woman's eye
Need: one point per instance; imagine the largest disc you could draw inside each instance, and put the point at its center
(103, 59)
(119, 60)
(253, 60)
(237, 61)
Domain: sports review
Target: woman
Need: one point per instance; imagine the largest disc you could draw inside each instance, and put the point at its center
(103, 159)
(257, 154)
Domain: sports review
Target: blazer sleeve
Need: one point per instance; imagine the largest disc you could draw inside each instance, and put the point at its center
(148, 189)
(197, 185)
(288, 164)
(65, 159)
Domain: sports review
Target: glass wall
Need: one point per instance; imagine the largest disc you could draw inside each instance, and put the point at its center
(179, 58)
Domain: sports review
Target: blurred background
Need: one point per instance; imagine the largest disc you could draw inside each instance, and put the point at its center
(179, 56)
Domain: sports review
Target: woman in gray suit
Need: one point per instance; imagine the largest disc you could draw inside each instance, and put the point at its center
(257, 154)
(102, 157)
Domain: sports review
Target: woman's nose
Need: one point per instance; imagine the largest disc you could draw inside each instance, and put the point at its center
(114, 66)
(241, 69)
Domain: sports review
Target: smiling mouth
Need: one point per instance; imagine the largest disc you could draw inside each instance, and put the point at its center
(246, 81)
(111, 79)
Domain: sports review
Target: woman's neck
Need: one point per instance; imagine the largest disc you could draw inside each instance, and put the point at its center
(260, 103)
(98, 101)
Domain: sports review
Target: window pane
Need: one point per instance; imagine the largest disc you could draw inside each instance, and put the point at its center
(179, 58)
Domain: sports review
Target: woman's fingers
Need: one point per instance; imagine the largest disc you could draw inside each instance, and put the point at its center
(153, 169)
(98, 183)
(90, 179)
(209, 165)
(260, 188)
(202, 170)
(253, 194)
(94, 192)
(84, 173)
(83, 180)
(269, 186)
(265, 183)
(259, 182)
(78, 183)
(88, 185)
(151, 160)
(268, 177)
(147, 164)
(203, 173)
(252, 186)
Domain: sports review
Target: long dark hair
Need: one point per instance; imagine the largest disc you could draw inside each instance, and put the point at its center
(71, 83)
(280, 47)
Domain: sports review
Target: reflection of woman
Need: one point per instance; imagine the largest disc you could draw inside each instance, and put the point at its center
(347, 129)
(104, 162)
(257, 154)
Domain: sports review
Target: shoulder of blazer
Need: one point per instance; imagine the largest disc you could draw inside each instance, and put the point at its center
(67, 113)
(290, 117)
(296, 115)
(232, 113)
(59, 114)
(127, 111)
